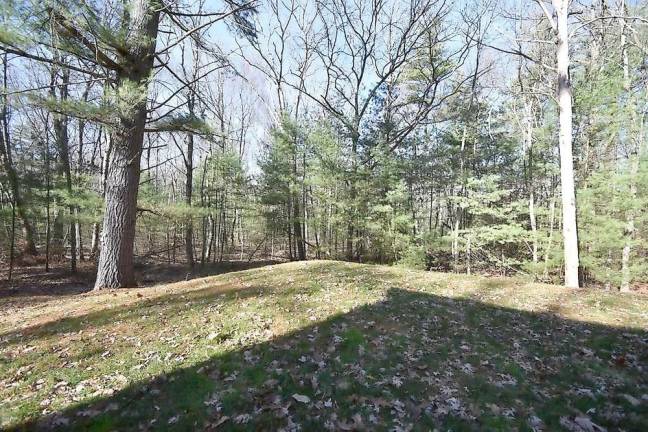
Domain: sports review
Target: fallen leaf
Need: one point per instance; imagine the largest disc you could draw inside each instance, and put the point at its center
(301, 398)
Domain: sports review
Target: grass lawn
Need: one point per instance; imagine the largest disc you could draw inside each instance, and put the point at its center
(327, 345)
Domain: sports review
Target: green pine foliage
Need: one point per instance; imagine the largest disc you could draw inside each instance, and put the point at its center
(604, 208)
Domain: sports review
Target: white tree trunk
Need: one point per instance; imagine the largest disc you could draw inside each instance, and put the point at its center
(570, 234)
(626, 276)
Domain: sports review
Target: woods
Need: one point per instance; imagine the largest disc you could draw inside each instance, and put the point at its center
(331, 215)
(496, 137)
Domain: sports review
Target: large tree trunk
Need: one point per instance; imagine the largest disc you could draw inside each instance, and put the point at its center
(115, 267)
(570, 233)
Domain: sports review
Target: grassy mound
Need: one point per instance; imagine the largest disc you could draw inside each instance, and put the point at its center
(327, 345)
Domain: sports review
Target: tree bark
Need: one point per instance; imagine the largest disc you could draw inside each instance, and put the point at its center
(60, 123)
(528, 153)
(96, 228)
(79, 171)
(635, 145)
(297, 227)
(116, 267)
(189, 248)
(570, 232)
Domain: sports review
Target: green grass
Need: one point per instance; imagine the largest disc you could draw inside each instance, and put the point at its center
(326, 345)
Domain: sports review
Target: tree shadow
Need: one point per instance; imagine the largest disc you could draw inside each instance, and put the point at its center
(412, 361)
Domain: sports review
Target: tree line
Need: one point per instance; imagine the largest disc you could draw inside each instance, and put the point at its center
(489, 137)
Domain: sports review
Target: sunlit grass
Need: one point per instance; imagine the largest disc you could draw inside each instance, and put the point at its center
(367, 345)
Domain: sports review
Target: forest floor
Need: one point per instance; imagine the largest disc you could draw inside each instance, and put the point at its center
(32, 281)
(326, 345)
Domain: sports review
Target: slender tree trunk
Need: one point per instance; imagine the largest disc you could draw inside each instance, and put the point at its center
(297, 227)
(296, 210)
(212, 234)
(48, 201)
(552, 221)
(63, 147)
(316, 225)
(232, 231)
(635, 146)
(175, 243)
(528, 150)
(353, 191)
(412, 202)
(455, 242)
(304, 205)
(12, 246)
(6, 160)
(168, 246)
(77, 235)
(349, 242)
(290, 233)
(458, 209)
(222, 230)
(431, 209)
(534, 228)
(96, 227)
(94, 245)
(468, 254)
(570, 232)
(241, 234)
(79, 238)
(189, 249)
(203, 240)
(116, 267)
(205, 201)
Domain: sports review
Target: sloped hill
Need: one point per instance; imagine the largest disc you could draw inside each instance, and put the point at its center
(327, 345)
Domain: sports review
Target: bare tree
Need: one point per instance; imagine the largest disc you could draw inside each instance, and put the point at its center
(560, 25)
(361, 47)
(556, 13)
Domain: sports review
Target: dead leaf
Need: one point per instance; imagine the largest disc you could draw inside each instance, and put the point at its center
(301, 398)
(631, 399)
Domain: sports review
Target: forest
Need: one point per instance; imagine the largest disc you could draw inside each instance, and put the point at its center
(481, 137)
(486, 158)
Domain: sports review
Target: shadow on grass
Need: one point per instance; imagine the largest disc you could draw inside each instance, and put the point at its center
(413, 360)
